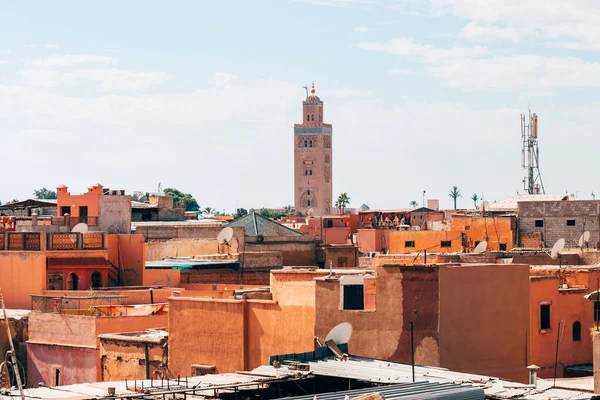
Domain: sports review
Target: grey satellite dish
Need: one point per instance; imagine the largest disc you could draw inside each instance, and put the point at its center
(80, 228)
(340, 333)
(480, 248)
(557, 248)
(224, 237)
(584, 239)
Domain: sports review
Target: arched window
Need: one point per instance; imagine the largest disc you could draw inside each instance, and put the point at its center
(96, 279)
(576, 331)
(73, 281)
(310, 143)
(313, 117)
(308, 192)
(306, 143)
(307, 117)
(305, 172)
(310, 172)
(309, 203)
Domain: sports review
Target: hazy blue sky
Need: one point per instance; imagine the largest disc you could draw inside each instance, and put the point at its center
(203, 95)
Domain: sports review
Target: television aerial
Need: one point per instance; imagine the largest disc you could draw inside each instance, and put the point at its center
(481, 247)
(584, 239)
(556, 249)
(225, 237)
(340, 334)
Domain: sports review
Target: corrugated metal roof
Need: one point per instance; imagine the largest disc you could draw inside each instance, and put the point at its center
(255, 224)
(183, 264)
(412, 390)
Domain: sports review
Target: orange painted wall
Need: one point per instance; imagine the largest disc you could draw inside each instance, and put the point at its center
(373, 239)
(21, 274)
(567, 306)
(89, 199)
(484, 317)
(162, 277)
(129, 252)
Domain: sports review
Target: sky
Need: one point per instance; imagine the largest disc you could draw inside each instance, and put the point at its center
(202, 96)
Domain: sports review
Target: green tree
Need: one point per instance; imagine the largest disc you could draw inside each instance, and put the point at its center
(342, 202)
(209, 210)
(287, 210)
(45, 194)
(475, 198)
(139, 196)
(270, 213)
(454, 194)
(240, 212)
(182, 200)
(414, 204)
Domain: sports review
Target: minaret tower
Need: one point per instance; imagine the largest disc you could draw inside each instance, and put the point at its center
(312, 159)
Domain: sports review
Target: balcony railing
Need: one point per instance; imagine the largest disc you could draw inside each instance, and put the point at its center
(32, 241)
(29, 241)
(72, 221)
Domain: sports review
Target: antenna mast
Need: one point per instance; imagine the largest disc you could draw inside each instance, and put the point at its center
(530, 154)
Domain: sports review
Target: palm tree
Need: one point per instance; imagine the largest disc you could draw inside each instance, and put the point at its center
(209, 210)
(413, 204)
(454, 194)
(475, 198)
(287, 210)
(342, 201)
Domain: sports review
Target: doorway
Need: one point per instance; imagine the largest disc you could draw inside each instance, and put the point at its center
(73, 281)
(83, 214)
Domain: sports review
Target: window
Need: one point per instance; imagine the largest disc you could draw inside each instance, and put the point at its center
(307, 117)
(96, 279)
(468, 227)
(310, 143)
(502, 246)
(65, 210)
(539, 223)
(330, 223)
(312, 117)
(308, 203)
(577, 331)
(72, 281)
(354, 297)
(305, 172)
(310, 172)
(409, 243)
(308, 192)
(306, 143)
(446, 243)
(570, 222)
(596, 311)
(544, 316)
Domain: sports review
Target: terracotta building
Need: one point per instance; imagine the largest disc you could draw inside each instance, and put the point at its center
(313, 159)
(459, 324)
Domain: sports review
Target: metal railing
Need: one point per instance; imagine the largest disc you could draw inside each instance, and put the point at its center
(72, 221)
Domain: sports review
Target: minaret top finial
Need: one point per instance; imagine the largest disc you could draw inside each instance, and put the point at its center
(313, 88)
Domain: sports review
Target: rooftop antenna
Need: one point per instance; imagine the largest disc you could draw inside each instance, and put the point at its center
(530, 154)
(306, 88)
(159, 188)
(556, 249)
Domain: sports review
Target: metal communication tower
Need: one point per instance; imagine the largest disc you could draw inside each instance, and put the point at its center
(530, 154)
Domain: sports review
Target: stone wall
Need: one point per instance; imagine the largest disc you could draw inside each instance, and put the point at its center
(554, 216)
(114, 214)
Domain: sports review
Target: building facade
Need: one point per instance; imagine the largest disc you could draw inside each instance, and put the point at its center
(313, 159)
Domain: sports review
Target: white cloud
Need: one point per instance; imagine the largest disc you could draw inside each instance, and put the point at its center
(72, 60)
(361, 29)
(223, 78)
(480, 33)
(402, 71)
(424, 52)
(345, 93)
(335, 3)
(51, 46)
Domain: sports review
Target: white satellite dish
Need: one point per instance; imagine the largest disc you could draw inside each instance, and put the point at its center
(340, 334)
(584, 239)
(557, 248)
(480, 248)
(80, 228)
(224, 237)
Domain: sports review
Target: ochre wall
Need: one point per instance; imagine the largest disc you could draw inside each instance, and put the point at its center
(129, 252)
(484, 319)
(21, 273)
(205, 331)
(157, 250)
(161, 277)
(129, 366)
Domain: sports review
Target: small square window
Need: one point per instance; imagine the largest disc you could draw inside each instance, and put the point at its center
(409, 243)
(446, 243)
(539, 223)
(545, 316)
(354, 297)
(570, 222)
(502, 246)
(467, 227)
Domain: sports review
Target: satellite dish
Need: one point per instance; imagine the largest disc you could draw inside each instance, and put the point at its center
(224, 237)
(480, 248)
(340, 333)
(585, 237)
(557, 248)
(80, 228)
